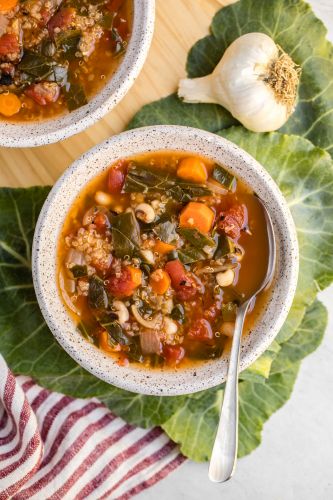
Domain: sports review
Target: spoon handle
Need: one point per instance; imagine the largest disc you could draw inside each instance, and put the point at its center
(224, 454)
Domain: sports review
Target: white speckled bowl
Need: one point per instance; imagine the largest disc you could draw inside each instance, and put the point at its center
(25, 134)
(138, 379)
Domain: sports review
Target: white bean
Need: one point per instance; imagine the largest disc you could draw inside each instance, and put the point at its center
(225, 278)
(121, 311)
(228, 329)
(145, 212)
(169, 326)
(155, 204)
(167, 306)
(103, 198)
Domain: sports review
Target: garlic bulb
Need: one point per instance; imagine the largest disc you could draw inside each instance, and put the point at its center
(255, 80)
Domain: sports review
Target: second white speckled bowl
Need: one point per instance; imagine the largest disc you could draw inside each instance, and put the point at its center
(25, 134)
(139, 379)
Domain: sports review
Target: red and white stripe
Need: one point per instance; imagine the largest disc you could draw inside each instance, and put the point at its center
(56, 447)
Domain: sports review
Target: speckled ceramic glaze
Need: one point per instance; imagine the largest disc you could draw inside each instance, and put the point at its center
(138, 379)
(46, 132)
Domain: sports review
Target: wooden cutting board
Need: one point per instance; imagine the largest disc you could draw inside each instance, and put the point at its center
(179, 23)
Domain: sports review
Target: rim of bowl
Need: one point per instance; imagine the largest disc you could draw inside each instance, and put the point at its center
(44, 265)
(49, 131)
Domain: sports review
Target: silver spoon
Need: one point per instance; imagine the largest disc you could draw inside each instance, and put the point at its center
(224, 454)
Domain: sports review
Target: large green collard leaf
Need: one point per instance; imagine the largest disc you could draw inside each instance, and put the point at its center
(259, 401)
(292, 25)
(260, 369)
(172, 111)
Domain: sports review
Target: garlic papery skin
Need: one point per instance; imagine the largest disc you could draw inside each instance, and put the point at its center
(255, 80)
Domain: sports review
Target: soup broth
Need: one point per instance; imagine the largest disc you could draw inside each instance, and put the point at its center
(157, 254)
(55, 55)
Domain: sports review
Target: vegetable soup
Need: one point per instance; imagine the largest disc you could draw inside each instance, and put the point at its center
(157, 254)
(55, 55)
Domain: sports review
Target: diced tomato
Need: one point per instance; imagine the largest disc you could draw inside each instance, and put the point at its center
(47, 10)
(120, 24)
(102, 266)
(61, 20)
(201, 330)
(120, 33)
(101, 221)
(123, 283)
(116, 177)
(114, 5)
(173, 354)
(213, 311)
(40, 11)
(187, 290)
(9, 46)
(122, 27)
(123, 361)
(120, 283)
(232, 221)
(184, 284)
(176, 271)
(43, 93)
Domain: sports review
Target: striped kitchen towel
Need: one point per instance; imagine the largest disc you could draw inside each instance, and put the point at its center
(56, 447)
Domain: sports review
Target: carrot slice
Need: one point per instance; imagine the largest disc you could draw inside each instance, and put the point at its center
(10, 104)
(197, 216)
(192, 169)
(159, 281)
(163, 248)
(7, 5)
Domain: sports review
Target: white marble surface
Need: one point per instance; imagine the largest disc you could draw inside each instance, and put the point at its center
(295, 459)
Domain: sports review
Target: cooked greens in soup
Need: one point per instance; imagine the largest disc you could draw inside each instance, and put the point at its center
(157, 254)
(55, 55)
